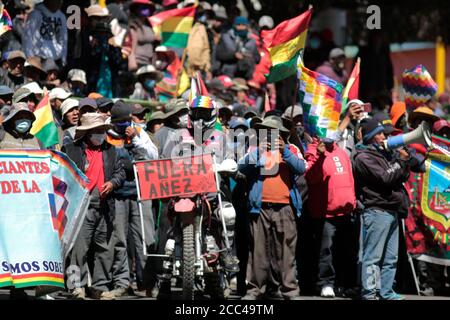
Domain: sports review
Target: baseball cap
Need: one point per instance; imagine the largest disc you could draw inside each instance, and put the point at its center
(336, 52)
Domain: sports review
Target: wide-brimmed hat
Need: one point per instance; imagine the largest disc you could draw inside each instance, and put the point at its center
(239, 84)
(68, 105)
(157, 115)
(21, 94)
(17, 108)
(174, 107)
(138, 109)
(424, 113)
(272, 122)
(35, 62)
(77, 75)
(16, 54)
(50, 65)
(97, 11)
(6, 91)
(150, 69)
(91, 121)
(34, 87)
(290, 114)
(59, 93)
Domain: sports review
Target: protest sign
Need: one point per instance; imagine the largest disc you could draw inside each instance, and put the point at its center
(167, 178)
(43, 198)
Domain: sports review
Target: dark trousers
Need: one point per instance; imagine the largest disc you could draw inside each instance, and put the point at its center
(271, 262)
(96, 232)
(337, 250)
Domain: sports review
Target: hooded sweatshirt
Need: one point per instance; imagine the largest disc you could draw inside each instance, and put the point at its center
(330, 182)
(45, 34)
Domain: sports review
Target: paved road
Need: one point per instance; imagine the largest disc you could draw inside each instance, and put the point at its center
(4, 295)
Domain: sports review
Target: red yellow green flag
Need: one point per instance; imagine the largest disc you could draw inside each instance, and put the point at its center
(44, 127)
(284, 44)
(352, 88)
(174, 26)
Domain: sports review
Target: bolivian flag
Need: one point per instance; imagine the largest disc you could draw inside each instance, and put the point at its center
(174, 26)
(284, 44)
(44, 127)
(352, 88)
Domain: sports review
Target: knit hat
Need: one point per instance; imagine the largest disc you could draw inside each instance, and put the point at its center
(370, 128)
(418, 85)
(398, 109)
(240, 20)
(386, 121)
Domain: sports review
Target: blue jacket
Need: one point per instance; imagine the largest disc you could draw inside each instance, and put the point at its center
(250, 165)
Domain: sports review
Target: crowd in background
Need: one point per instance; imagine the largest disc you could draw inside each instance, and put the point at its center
(323, 194)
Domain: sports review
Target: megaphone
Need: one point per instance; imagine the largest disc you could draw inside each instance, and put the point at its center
(421, 135)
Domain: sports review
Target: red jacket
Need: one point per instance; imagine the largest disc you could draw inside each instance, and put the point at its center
(331, 187)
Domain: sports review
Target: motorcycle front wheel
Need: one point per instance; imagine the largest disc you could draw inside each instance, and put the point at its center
(188, 271)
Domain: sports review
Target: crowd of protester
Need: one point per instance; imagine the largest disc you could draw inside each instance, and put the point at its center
(298, 230)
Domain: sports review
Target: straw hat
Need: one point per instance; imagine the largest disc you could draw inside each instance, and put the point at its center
(91, 121)
(272, 122)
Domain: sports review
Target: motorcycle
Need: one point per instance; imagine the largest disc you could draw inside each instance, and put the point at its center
(199, 243)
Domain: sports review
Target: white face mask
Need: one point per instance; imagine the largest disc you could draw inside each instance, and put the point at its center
(143, 126)
(97, 139)
(184, 120)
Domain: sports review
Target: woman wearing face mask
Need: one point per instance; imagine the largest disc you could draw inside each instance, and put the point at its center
(15, 130)
(141, 34)
(148, 77)
(99, 161)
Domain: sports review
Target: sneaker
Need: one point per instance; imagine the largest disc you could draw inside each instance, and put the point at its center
(79, 294)
(327, 292)
(394, 296)
(249, 297)
(113, 294)
(273, 295)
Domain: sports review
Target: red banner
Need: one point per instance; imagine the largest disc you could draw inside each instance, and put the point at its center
(168, 178)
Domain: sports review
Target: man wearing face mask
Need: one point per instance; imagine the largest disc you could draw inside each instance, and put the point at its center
(15, 129)
(130, 147)
(237, 51)
(101, 164)
(334, 68)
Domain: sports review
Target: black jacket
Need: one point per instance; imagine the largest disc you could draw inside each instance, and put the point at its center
(112, 168)
(379, 180)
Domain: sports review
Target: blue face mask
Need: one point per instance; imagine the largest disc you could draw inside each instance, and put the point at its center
(22, 125)
(241, 33)
(121, 127)
(314, 43)
(202, 19)
(149, 84)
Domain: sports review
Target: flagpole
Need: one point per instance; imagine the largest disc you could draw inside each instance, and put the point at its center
(310, 6)
(180, 71)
